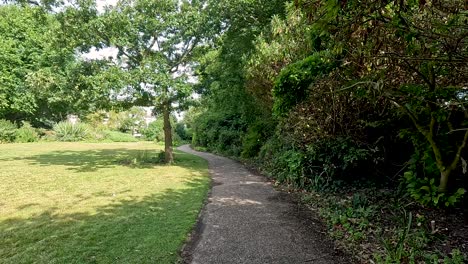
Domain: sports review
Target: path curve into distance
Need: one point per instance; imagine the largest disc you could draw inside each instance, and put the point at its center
(246, 220)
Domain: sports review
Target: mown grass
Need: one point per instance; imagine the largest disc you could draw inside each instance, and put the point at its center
(77, 203)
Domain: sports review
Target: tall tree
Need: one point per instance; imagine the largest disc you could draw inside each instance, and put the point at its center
(155, 42)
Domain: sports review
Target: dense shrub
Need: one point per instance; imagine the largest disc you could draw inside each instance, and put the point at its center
(322, 166)
(425, 191)
(340, 160)
(182, 132)
(67, 131)
(257, 134)
(420, 180)
(154, 131)
(26, 133)
(116, 136)
(220, 132)
(7, 131)
(291, 85)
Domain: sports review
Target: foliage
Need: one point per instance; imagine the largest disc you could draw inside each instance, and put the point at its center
(154, 131)
(222, 74)
(41, 80)
(127, 121)
(416, 71)
(116, 136)
(155, 42)
(97, 119)
(323, 166)
(286, 42)
(7, 131)
(426, 192)
(291, 85)
(331, 162)
(67, 131)
(255, 137)
(455, 258)
(182, 132)
(219, 132)
(26, 133)
(394, 253)
(375, 226)
(344, 82)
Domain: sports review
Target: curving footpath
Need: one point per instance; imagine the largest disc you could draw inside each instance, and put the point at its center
(247, 221)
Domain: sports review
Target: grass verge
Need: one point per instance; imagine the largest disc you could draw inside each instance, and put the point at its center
(77, 203)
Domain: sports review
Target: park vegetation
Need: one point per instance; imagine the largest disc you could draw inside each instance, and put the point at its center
(100, 126)
(358, 105)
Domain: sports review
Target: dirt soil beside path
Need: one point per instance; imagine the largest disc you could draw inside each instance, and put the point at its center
(246, 220)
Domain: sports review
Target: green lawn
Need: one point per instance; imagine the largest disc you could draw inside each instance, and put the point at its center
(78, 203)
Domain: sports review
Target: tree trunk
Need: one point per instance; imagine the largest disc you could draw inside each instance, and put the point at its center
(444, 177)
(169, 157)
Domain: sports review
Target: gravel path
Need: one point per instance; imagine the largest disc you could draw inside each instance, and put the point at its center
(247, 221)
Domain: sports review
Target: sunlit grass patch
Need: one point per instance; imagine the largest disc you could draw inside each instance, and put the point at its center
(76, 203)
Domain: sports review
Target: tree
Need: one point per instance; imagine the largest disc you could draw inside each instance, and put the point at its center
(414, 54)
(41, 78)
(155, 42)
(222, 72)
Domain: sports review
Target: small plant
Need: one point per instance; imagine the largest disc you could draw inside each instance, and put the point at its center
(426, 192)
(26, 133)
(455, 258)
(395, 251)
(7, 131)
(67, 131)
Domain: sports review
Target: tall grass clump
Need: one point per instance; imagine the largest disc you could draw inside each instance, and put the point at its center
(67, 131)
(7, 131)
(26, 133)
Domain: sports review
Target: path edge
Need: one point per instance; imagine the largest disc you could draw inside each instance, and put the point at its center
(193, 237)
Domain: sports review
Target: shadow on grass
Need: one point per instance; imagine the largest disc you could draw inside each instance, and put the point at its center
(136, 230)
(93, 160)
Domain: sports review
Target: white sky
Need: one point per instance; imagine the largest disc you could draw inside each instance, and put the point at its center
(100, 4)
(100, 54)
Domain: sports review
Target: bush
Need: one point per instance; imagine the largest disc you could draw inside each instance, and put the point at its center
(116, 136)
(66, 131)
(257, 134)
(154, 131)
(220, 132)
(341, 159)
(426, 192)
(7, 131)
(182, 132)
(292, 83)
(26, 133)
(322, 166)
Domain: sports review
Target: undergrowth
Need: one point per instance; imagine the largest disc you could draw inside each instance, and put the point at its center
(378, 226)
